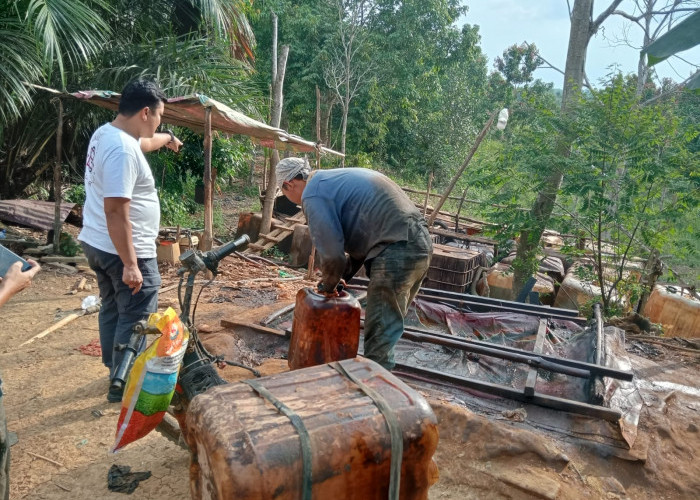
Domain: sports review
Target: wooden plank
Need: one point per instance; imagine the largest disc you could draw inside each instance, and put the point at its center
(77, 259)
(258, 328)
(539, 344)
(462, 236)
(274, 239)
(53, 328)
(268, 240)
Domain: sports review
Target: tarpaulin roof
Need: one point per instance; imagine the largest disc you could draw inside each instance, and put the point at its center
(189, 111)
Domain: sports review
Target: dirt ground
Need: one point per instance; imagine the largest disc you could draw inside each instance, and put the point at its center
(56, 405)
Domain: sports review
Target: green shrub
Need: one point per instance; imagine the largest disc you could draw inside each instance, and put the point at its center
(75, 194)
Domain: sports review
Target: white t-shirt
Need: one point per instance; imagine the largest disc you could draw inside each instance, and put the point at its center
(116, 168)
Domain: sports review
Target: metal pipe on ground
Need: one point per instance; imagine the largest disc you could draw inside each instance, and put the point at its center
(528, 359)
(592, 368)
(488, 303)
(538, 399)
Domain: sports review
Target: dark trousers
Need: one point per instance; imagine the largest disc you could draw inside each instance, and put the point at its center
(121, 309)
(395, 275)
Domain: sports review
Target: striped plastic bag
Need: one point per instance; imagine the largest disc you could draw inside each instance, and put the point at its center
(151, 382)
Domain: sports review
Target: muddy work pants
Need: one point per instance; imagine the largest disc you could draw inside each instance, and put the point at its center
(121, 309)
(395, 275)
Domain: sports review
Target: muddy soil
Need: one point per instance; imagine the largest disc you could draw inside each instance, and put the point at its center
(56, 405)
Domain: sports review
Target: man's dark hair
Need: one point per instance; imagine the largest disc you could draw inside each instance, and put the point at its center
(139, 94)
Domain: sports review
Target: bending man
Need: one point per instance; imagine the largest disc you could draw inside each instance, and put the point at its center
(365, 214)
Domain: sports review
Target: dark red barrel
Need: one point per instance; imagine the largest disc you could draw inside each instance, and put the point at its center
(324, 329)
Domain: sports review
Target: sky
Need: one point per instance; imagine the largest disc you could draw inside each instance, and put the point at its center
(546, 24)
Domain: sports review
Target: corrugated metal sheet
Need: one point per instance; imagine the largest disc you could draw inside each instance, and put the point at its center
(32, 213)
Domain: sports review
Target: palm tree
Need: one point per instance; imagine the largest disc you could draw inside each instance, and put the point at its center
(39, 37)
(186, 45)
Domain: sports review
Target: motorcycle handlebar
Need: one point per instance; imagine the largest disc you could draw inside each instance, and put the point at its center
(216, 254)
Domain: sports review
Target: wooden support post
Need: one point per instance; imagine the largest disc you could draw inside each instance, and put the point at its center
(596, 387)
(454, 180)
(539, 344)
(427, 194)
(312, 255)
(459, 209)
(312, 260)
(58, 220)
(208, 235)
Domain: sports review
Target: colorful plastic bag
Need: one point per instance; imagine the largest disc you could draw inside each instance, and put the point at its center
(151, 382)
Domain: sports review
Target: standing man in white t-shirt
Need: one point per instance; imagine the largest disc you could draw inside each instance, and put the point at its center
(121, 216)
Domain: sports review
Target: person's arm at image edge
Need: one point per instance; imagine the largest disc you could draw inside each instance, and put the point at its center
(15, 280)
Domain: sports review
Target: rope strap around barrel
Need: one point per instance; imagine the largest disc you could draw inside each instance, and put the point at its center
(392, 423)
(298, 424)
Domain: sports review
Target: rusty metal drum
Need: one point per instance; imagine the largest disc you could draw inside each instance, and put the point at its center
(352, 417)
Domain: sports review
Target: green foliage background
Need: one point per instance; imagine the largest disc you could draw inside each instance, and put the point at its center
(427, 94)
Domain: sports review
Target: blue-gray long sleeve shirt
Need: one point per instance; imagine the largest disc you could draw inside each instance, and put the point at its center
(354, 210)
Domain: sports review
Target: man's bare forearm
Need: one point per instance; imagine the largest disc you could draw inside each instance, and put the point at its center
(119, 229)
(158, 140)
(120, 234)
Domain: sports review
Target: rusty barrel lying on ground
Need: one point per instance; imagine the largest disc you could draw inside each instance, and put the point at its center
(324, 329)
(331, 437)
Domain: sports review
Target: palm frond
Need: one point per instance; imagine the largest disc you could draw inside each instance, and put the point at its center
(69, 31)
(18, 64)
(229, 19)
(183, 66)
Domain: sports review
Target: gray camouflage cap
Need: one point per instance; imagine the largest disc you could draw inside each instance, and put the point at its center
(289, 168)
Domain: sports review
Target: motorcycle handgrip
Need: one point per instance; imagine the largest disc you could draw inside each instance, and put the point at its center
(219, 253)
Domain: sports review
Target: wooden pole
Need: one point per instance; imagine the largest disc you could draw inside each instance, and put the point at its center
(312, 255)
(53, 328)
(318, 115)
(279, 65)
(427, 194)
(454, 180)
(208, 235)
(57, 219)
(459, 208)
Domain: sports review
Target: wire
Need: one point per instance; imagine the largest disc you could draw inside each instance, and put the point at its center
(194, 309)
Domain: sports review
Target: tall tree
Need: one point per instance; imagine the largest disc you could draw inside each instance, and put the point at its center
(583, 27)
(628, 155)
(347, 69)
(279, 66)
(654, 18)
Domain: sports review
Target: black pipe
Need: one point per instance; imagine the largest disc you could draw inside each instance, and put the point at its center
(529, 359)
(594, 369)
(508, 392)
(488, 302)
(598, 333)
